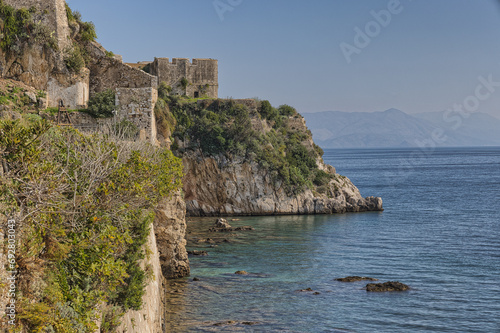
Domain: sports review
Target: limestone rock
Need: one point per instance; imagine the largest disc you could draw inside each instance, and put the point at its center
(151, 316)
(222, 223)
(220, 185)
(31, 96)
(170, 228)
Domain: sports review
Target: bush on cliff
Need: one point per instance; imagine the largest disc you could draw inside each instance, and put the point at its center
(102, 104)
(83, 206)
(20, 27)
(226, 127)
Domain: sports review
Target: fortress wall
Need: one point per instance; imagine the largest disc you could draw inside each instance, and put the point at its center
(202, 75)
(110, 73)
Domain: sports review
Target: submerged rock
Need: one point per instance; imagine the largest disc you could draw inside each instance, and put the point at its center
(387, 286)
(356, 278)
(216, 229)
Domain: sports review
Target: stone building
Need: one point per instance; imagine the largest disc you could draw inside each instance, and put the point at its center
(136, 91)
(199, 78)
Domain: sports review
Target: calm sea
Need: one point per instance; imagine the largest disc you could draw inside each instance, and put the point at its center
(439, 233)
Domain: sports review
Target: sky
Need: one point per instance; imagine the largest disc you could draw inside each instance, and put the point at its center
(320, 55)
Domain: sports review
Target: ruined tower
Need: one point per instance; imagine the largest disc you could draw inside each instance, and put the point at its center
(198, 78)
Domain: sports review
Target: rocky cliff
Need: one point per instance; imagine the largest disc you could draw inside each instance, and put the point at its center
(170, 230)
(167, 259)
(249, 158)
(222, 186)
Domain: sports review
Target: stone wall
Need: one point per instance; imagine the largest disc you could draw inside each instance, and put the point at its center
(110, 73)
(137, 105)
(73, 93)
(202, 75)
(54, 16)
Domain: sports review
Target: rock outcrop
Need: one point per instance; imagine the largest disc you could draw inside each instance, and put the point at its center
(216, 186)
(387, 286)
(170, 230)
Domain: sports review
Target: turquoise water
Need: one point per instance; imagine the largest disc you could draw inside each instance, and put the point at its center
(439, 233)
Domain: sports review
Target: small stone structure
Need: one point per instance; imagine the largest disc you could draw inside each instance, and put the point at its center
(137, 105)
(200, 76)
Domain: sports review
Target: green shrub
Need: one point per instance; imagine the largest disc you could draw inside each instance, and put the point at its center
(225, 127)
(267, 111)
(126, 129)
(287, 110)
(164, 90)
(165, 121)
(87, 32)
(322, 178)
(74, 59)
(184, 83)
(85, 236)
(102, 104)
(19, 28)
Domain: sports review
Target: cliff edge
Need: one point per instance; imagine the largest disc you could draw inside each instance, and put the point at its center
(245, 157)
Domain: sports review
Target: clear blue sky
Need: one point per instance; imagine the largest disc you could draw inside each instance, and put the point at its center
(427, 58)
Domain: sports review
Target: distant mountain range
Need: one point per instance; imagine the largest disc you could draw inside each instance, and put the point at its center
(394, 128)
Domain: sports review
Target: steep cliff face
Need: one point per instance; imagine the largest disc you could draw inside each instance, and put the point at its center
(170, 229)
(150, 318)
(277, 169)
(222, 186)
(168, 259)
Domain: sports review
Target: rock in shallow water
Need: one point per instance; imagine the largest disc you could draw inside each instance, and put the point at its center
(356, 278)
(387, 286)
(241, 273)
(222, 223)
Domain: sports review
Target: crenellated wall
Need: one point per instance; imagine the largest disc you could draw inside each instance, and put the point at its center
(202, 75)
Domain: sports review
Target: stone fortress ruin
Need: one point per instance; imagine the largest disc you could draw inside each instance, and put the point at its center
(136, 91)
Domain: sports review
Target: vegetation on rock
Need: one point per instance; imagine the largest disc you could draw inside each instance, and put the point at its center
(20, 26)
(83, 33)
(83, 205)
(226, 127)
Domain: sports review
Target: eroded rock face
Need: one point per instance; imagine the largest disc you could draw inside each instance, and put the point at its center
(221, 186)
(150, 318)
(170, 230)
